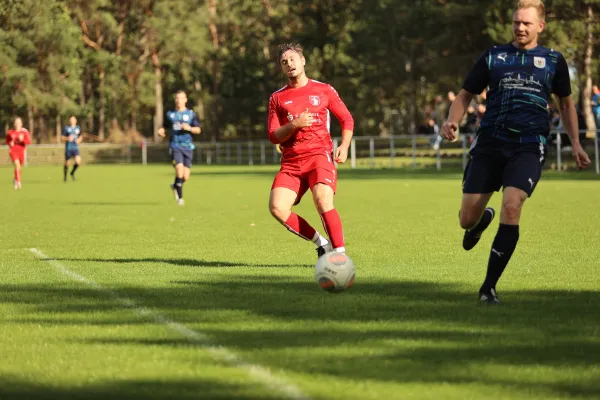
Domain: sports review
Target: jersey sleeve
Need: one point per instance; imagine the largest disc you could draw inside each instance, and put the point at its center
(8, 138)
(166, 121)
(561, 84)
(195, 121)
(26, 137)
(65, 132)
(479, 77)
(339, 109)
(273, 122)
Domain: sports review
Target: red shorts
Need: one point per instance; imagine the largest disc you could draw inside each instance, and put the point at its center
(300, 175)
(17, 154)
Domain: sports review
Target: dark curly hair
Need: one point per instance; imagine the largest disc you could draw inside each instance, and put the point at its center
(282, 48)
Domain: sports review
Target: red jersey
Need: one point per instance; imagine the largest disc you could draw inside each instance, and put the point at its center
(319, 98)
(13, 141)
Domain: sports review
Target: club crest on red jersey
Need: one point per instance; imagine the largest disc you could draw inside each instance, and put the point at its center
(314, 100)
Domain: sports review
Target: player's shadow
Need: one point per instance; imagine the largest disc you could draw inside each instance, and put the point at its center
(183, 262)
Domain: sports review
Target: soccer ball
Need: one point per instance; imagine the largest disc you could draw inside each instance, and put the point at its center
(334, 272)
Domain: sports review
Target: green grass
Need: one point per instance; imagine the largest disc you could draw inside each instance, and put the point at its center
(409, 329)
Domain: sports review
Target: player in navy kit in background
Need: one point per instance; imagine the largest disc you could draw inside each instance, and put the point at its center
(510, 147)
(71, 135)
(182, 123)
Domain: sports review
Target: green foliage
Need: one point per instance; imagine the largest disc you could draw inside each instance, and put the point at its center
(40, 65)
(70, 56)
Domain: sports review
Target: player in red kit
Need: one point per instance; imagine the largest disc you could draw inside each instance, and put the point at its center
(299, 122)
(17, 139)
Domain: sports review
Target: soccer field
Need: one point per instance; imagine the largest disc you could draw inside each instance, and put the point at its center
(110, 290)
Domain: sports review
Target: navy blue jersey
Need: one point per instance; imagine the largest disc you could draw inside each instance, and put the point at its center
(179, 138)
(71, 132)
(520, 83)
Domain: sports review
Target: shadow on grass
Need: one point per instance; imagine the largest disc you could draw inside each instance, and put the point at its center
(183, 262)
(17, 388)
(392, 331)
(346, 173)
(287, 298)
(115, 203)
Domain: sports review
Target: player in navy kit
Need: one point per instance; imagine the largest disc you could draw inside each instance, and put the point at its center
(71, 135)
(182, 123)
(510, 148)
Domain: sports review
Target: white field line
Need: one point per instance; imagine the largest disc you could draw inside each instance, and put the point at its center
(218, 353)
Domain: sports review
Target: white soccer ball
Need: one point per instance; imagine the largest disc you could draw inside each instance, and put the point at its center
(334, 272)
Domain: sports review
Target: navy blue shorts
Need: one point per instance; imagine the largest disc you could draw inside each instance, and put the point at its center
(496, 164)
(71, 153)
(182, 156)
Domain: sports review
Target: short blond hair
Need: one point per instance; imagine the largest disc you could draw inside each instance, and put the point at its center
(537, 4)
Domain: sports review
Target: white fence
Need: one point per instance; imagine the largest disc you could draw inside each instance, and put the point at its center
(417, 151)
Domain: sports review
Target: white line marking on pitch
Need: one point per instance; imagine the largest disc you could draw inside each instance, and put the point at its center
(218, 353)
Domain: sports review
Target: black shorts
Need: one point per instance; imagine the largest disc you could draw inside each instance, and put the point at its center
(71, 153)
(494, 164)
(182, 156)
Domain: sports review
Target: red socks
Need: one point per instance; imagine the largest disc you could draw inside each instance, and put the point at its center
(331, 221)
(298, 225)
(333, 227)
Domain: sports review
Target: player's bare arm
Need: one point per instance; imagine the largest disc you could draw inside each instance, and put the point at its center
(284, 132)
(341, 153)
(161, 132)
(341, 112)
(79, 139)
(457, 111)
(569, 118)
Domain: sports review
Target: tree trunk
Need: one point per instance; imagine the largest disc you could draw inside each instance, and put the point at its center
(158, 92)
(82, 103)
(266, 43)
(58, 128)
(413, 113)
(101, 104)
(212, 25)
(199, 101)
(121, 34)
(31, 122)
(587, 70)
(131, 79)
(90, 91)
(43, 134)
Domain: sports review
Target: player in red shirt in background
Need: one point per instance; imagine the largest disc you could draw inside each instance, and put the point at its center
(299, 122)
(17, 139)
